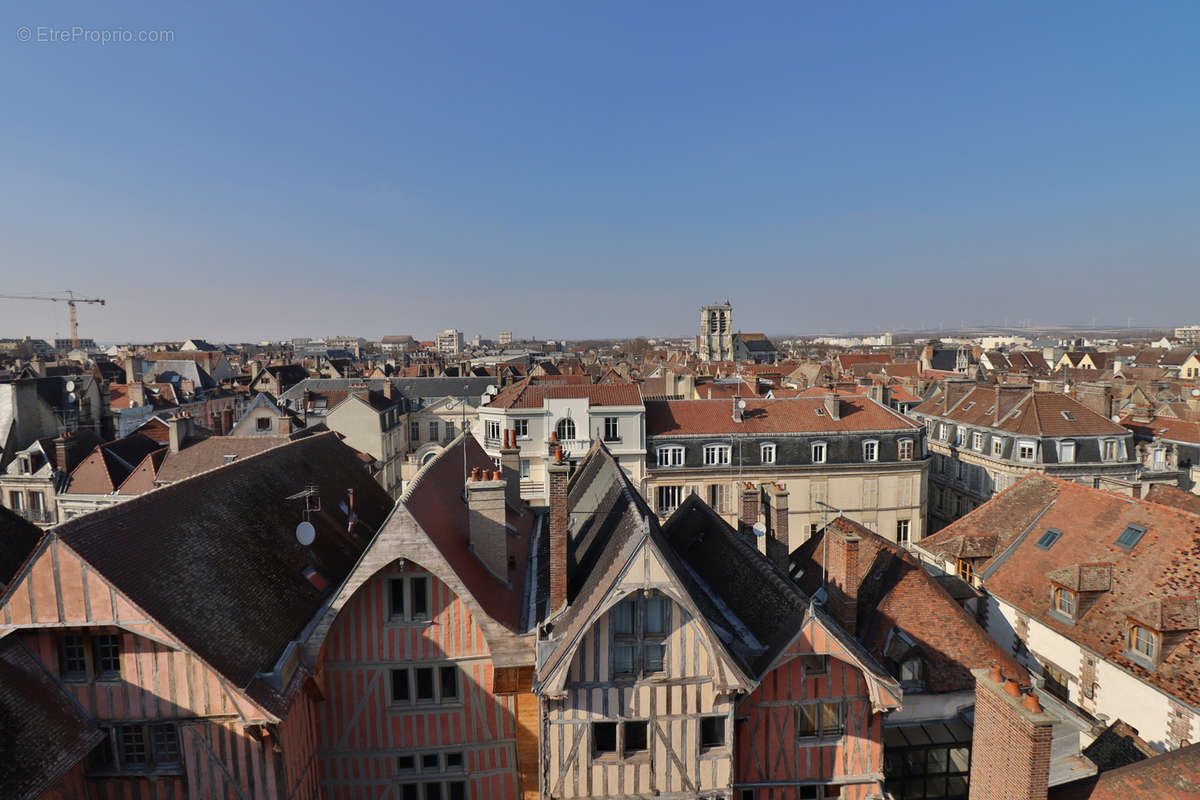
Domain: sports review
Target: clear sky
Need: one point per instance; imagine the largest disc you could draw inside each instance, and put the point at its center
(598, 168)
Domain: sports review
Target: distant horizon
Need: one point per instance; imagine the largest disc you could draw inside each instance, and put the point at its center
(574, 169)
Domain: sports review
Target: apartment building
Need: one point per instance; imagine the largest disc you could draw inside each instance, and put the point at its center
(449, 342)
(835, 454)
(570, 415)
(984, 439)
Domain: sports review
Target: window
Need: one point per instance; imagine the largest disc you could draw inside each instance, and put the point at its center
(635, 736)
(131, 745)
(715, 454)
(1130, 536)
(408, 599)
(414, 431)
(1056, 682)
(910, 671)
(668, 498)
(1026, 451)
(965, 570)
(1064, 601)
(766, 453)
(433, 430)
(450, 431)
(16, 501)
(521, 428)
(818, 452)
(565, 429)
(816, 664)
(712, 732)
(611, 432)
(433, 766)
(960, 434)
(977, 441)
(164, 739)
(108, 656)
(604, 737)
(1048, 538)
(997, 446)
(943, 431)
(1110, 449)
(822, 720)
(72, 662)
(906, 449)
(426, 684)
(717, 494)
(639, 629)
(263, 423)
(524, 469)
(1066, 452)
(903, 528)
(929, 760)
(491, 431)
(870, 450)
(1144, 641)
(670, 456)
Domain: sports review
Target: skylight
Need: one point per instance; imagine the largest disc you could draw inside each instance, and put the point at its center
(1130, 536)
(1048, 539)
(967, 407)
(1067, 415)
(990, 410)
(820, 412)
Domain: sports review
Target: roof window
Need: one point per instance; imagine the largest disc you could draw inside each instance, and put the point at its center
(1130, 536)
(1067, 415)
(1048, 539)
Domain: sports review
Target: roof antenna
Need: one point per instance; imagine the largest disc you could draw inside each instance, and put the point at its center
(306, 533)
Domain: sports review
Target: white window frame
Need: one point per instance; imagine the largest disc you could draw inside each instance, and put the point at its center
(672, 454)
(903, 526)
(669, 490)
(521, 428)
(716, 455)
(870, 450)
(977, 441)
(998, 446)
(491, 430)
(1105, 445)
(1066, 446)
(910, 446)
(766, 452)
(1026, 443)
(615, 435)
(819, 448)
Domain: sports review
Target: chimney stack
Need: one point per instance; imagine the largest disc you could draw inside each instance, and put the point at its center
(1011, 758)
(843, 576)
(285, 424)
(510, 465)
(1097, 397)
(485, 510)
(60, 453)
(777, 544)
(749, 503)
(559, 474)
(131, 376)
(226, 420)
(737, 409)
(833, 405)
(389, 391)
(178, 428)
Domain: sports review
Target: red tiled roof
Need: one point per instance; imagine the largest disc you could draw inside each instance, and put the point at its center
(1178, 430)
(1163, 567)
(528, 394)
(1021, 410)
(795, 415)
(1175, 497)
(1171, 776)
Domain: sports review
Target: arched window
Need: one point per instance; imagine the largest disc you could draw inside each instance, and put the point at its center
(565, 429)
(428, 457)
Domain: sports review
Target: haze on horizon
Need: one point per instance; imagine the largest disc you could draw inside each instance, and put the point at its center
(586, 170)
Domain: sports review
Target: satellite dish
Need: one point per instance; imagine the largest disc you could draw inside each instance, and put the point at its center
(760, 529)
(742, 404)
(70, 386)
(1195, 392)
(71, 398)
(306, 534)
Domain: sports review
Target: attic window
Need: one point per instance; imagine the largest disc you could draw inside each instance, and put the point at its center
(1067, 415)
(967, 407)
(1048, 539)
(230, 458)
(820, 412)
(990, 409)
(1130, 536)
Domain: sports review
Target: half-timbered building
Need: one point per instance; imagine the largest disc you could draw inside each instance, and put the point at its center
(170, 623)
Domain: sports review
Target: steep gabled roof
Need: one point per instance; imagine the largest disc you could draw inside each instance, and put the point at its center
(786, 415)
(215, 560)
(18, 538)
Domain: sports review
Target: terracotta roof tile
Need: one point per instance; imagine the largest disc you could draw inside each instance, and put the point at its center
(796, 415)
(531, 394)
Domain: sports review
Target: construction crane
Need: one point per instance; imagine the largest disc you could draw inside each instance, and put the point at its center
(67, 297)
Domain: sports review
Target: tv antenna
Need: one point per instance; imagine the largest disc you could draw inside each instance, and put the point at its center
(306, 532)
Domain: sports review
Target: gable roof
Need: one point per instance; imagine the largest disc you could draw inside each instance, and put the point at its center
(18, 538)
(530, 393)
(784, 415)
(1156, 580)
(226, 540)
(1170, 776)
(1019, 410)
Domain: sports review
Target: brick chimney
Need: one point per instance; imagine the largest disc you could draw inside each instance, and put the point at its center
(389, 391)
(559, 473)
(777, 543)
(510, 466)
(485, 512)
(1010, 757)
(833, 405)
(226, 420)
(749, 503)
(61, 453)
(1098, 397)
(285, 424)
(843, 576)
(178, 428)
(131, 376)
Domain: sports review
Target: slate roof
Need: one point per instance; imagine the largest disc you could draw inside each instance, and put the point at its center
(166, 370)
(530, 394)
(107, 467)
(18, 538)
(897, 592)
(1019, 410)
(784, 415)
(215, 560)
(1157, 580)
(44, 732)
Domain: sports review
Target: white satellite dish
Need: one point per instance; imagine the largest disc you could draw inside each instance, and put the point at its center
(306, 534)
(760, 529)
(1195, 392)
(742, 404)
(70, 386)
(71, 398)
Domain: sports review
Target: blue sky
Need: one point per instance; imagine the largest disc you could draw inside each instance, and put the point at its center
(600, 169)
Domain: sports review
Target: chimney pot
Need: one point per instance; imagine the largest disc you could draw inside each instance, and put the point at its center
(558, 454)
(1011, 687)
(996, 674)
(475, 473)
(1030, 701)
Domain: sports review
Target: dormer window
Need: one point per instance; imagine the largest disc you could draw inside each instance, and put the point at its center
(871, 450)
(965, 570)
(1066, 452)
(910, 670)
(716, 454)
(1064, 602)
(906, 449)
(997, 446)
(1144, 642)
(766, 452)
(977, 441)
(1026, 451)
(1110, 449)
(818, 452)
